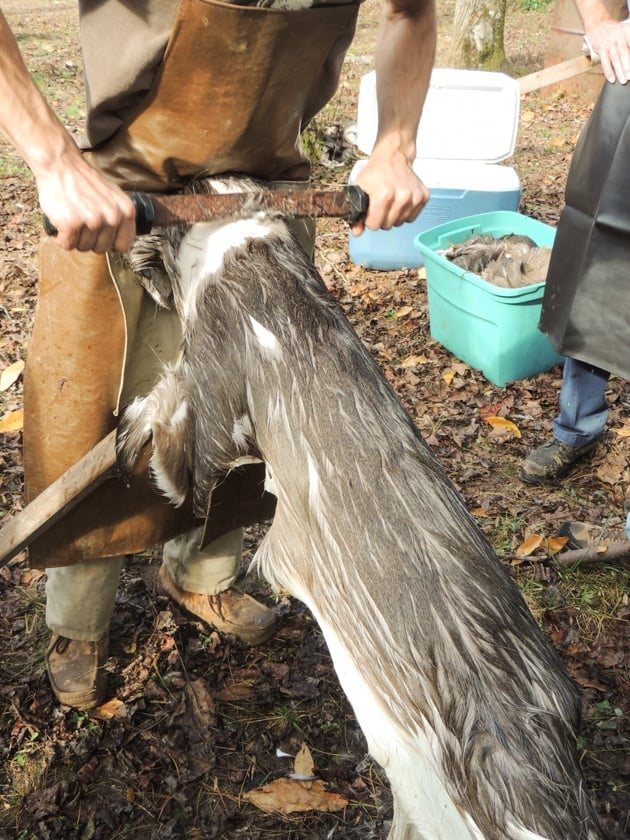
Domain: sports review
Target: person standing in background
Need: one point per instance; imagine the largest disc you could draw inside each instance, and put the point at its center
(586, 305)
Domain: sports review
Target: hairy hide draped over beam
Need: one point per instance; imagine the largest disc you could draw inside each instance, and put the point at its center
(461, 697)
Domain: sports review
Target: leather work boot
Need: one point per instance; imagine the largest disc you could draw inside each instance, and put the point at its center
(76, 671)
(231, 611)
(552, 460)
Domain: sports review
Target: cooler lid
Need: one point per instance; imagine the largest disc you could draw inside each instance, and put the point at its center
(468, 115)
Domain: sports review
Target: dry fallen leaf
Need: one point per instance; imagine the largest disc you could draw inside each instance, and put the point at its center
(623, 432)
(413, 361)
(555, 544)
(13, 421)
(288, 796)
(530, 545)
(448, 375)
(303, 765)
(613, 469)
(551, 545)
(112, 709)
(234, 692)
(201, 697)
(479, 512)
(503, 426)
(10, 374)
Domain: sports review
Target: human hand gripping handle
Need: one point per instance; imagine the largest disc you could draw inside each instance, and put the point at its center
(611, 42)
(607, 38)
(397, 194)
(85, 211)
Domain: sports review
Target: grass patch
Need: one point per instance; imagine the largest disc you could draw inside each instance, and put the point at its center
(12, 165)
(596, 594)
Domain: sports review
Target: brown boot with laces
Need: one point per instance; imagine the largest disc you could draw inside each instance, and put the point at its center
(231, 611)
(76, 671)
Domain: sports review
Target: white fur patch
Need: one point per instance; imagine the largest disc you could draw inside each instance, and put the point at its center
(221, 237)
(180, 414)
(270, 482)
(163, 481)
(134, 412)
(242, 431)
(242, 460)
(409, 761)
(204, 247)
(265, 337)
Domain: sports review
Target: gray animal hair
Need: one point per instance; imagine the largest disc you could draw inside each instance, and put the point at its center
(431, 638)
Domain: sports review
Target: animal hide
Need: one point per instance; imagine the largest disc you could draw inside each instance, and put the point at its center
(461, 698)
(509, 261)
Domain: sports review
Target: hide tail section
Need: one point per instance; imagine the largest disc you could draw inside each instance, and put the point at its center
(163, 417)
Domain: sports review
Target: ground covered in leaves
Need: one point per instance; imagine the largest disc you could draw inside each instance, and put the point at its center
(197, 724)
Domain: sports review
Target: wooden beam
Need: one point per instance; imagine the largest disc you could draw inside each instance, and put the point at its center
(555, 73)
(57, 499)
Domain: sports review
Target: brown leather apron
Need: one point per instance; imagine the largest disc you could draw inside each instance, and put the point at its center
(235, 88)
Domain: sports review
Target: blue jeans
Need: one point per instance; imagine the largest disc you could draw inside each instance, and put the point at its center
(583, 406)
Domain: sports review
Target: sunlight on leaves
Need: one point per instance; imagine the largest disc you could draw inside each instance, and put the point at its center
(556, 544)
(303, 766)
(479, 511)
(301, 792)
(13, 421)
(529, 546)
(413, 361)
(552, 545)
(10, 374)
(503, 426)
(114, 708)
(288, 796)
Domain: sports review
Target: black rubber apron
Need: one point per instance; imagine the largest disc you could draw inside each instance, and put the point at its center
(586, 306)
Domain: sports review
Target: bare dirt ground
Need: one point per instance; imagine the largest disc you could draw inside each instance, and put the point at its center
(197, 721)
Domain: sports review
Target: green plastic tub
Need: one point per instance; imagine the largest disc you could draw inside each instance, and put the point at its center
(492, 329)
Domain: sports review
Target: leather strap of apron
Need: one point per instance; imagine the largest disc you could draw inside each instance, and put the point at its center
(231, 95)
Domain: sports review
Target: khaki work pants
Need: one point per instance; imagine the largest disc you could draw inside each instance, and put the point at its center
(80, 599)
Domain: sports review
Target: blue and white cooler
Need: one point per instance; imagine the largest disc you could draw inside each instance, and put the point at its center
(468, 127)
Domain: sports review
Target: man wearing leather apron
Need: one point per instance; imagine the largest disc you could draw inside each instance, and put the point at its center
(585, 312)
(196, 87)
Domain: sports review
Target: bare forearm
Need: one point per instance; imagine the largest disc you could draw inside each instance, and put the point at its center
(89, 213)
(26, 119)
(593, 14)
(405, 53)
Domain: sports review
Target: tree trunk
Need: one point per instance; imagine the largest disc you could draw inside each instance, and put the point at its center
(477, 41)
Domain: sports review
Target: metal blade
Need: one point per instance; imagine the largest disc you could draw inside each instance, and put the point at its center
(162, 211)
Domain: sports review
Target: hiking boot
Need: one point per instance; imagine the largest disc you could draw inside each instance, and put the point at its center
(552, 460)
(231, 611)
(76, 671)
